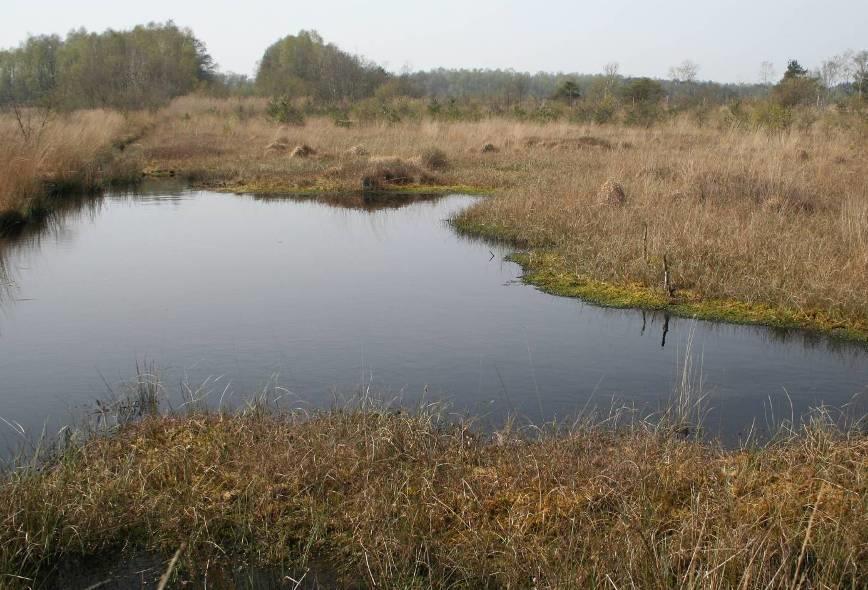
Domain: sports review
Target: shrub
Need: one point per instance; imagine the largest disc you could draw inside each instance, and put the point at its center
(281, 110)
(604, 112)
(700, 114)
(736, 114)
(643, 114)
(568, 92)
(772, 115)
(519, 113)
(391, 114)
(643, 90)
(545, 114)
(792, 92)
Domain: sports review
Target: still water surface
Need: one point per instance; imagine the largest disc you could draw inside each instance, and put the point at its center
(329, 299)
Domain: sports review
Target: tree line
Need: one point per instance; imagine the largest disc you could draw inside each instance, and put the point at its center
(150, 64)
(142, 67)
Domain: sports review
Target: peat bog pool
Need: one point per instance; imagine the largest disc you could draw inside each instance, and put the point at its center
(328, 299)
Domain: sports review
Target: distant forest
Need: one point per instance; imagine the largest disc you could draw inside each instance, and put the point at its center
(145, 66)
(149, 65)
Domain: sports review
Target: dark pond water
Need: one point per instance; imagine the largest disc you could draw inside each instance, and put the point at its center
(144, 571)
(328, 299)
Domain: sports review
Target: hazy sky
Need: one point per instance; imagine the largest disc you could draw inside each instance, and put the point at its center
(728, 38)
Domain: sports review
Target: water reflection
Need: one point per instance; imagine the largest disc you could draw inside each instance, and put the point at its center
(6, 283)
(66, 218)
(361, 201)
(342, 293)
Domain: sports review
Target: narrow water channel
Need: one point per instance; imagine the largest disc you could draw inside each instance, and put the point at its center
(327, 299)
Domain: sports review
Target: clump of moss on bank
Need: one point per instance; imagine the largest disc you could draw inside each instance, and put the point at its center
(395, 500)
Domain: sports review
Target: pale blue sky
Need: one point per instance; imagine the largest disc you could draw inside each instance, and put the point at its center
(728, 38)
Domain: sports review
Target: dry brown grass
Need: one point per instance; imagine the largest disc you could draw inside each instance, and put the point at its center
(63, 153)
(210, 143)
(386, 173)
(740, 216)
(778, 222)
(409, 501)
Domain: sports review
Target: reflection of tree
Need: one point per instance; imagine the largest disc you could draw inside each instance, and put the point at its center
(807, 339)
(24, 238)
(5, 282)
(27, 237)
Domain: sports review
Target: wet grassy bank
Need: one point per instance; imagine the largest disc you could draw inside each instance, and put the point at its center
(549, 272)
(396, 500)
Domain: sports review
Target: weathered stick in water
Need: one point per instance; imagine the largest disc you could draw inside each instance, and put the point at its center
(164, 579)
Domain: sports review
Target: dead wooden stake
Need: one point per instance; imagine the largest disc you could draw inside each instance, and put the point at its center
(645, 243)
(667, 280)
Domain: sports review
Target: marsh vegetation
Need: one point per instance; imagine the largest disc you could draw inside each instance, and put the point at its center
(756, 226)
(745, 204)
(403, 500)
